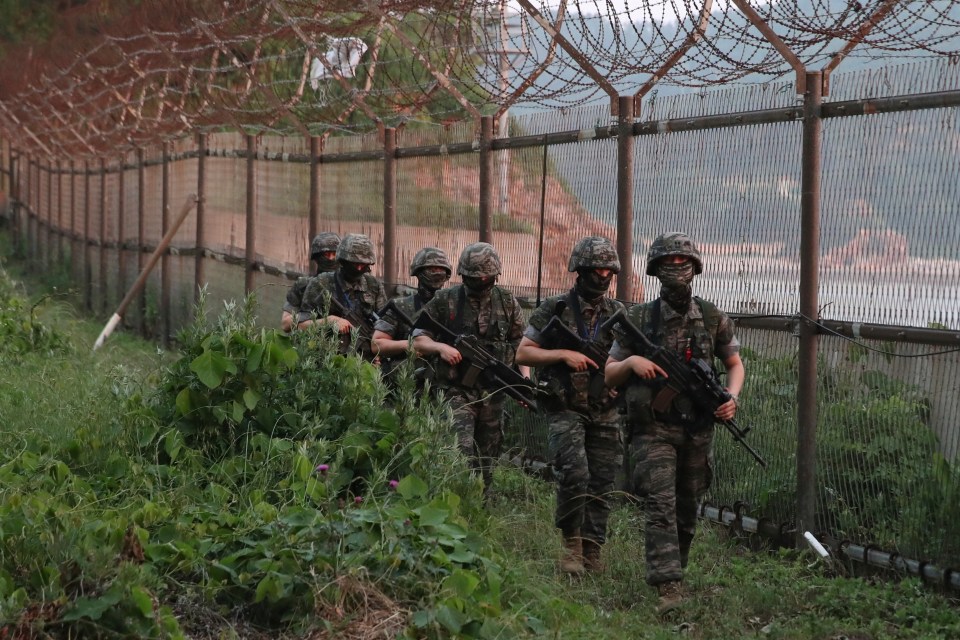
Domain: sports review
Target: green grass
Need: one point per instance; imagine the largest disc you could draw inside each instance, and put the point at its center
(73, 473)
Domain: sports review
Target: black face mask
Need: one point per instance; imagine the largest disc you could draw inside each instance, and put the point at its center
(479, 286)
(353, 271)
(429, 283)
(324, 265)
(591, 285)
(675, 284)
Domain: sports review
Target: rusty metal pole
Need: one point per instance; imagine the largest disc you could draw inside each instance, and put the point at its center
(48, 232)
(625, 196)
(199, 264)
(121, 229)
(87, 250)
(141, 237)
(250, 255)
(104, 304)
(165, 261)
(313, 224)
(74, 254)
(390, 209)
(15, 198)
(60, 231)
(485, 222)
(28, 241)
(809, 305)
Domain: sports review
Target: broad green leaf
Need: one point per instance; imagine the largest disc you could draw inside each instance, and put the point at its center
(237, 411)
(450, 618)
(254, 358)
(142, 599)
(251, 398)
(172, 444)
(431, 517)
(463, 583)
(411, 487)
(269, 589)
(184, 406)
(210, 367)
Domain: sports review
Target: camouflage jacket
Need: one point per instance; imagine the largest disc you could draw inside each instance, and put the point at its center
(495, 319)
(294, 298)
(558, 379)
(704, 329)
(367, 292)
(391, 324)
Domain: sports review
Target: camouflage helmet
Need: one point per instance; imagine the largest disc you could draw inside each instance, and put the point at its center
(673, 243)
(430, 257)
(356, 247)
(594, 252)
(479, 260)
(324, 242)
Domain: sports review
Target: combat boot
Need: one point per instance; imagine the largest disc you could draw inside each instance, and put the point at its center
(572, 560)
(670, 596)
(591, 556)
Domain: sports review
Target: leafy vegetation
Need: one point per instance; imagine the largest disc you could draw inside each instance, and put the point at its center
(254, 485)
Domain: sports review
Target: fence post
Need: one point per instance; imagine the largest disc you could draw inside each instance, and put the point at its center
(87, 249)
(104, 306)
(164, 306)
(250, 253)
(809, 305)
(74, 254)
(121, 229)
(28, 241)
(390, 208)
(485, 223)
(625, 196)
(60, 231)
(48, 231)
(141, 235)
(313, 223)
(15, 199)
(200, 240)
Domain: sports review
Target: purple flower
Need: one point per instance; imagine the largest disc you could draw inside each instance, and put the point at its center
(358, 500)
(322, 469)
(393, 485)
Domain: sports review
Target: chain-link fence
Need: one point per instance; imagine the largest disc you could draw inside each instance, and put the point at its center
(725, 166)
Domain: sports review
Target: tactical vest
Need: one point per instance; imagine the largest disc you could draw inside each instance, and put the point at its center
(700, 340)
(566, 389)
(461, 319)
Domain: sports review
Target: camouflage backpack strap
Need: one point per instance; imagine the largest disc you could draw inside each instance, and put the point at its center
(711, 315)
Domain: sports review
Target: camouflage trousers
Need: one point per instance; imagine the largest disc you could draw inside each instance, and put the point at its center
(478, 420)
(587, 452)
(672, 470)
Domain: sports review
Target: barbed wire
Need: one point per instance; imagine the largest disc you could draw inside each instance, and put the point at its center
(313, 68)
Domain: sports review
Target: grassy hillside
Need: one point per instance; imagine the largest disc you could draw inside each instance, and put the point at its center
(253, 486)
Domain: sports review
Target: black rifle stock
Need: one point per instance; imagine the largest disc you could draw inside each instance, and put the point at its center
(696, 379)
(559, 336)
(482, 368)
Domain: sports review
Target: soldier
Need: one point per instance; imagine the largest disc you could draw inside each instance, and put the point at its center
(351, 285)
(480, 308)
(323, 253)
(673, 450)
(432, 269)
(584, 426)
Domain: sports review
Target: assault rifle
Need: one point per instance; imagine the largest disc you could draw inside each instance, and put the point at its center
(559, 336)
(695, 379)
(481, 367)
(362, 321)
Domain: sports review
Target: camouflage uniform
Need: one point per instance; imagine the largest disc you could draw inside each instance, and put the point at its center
(322, 243)
(585, 442)
(673, 455)
(411, 306)
(366, 292)
(496, 319)
(584, 438)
